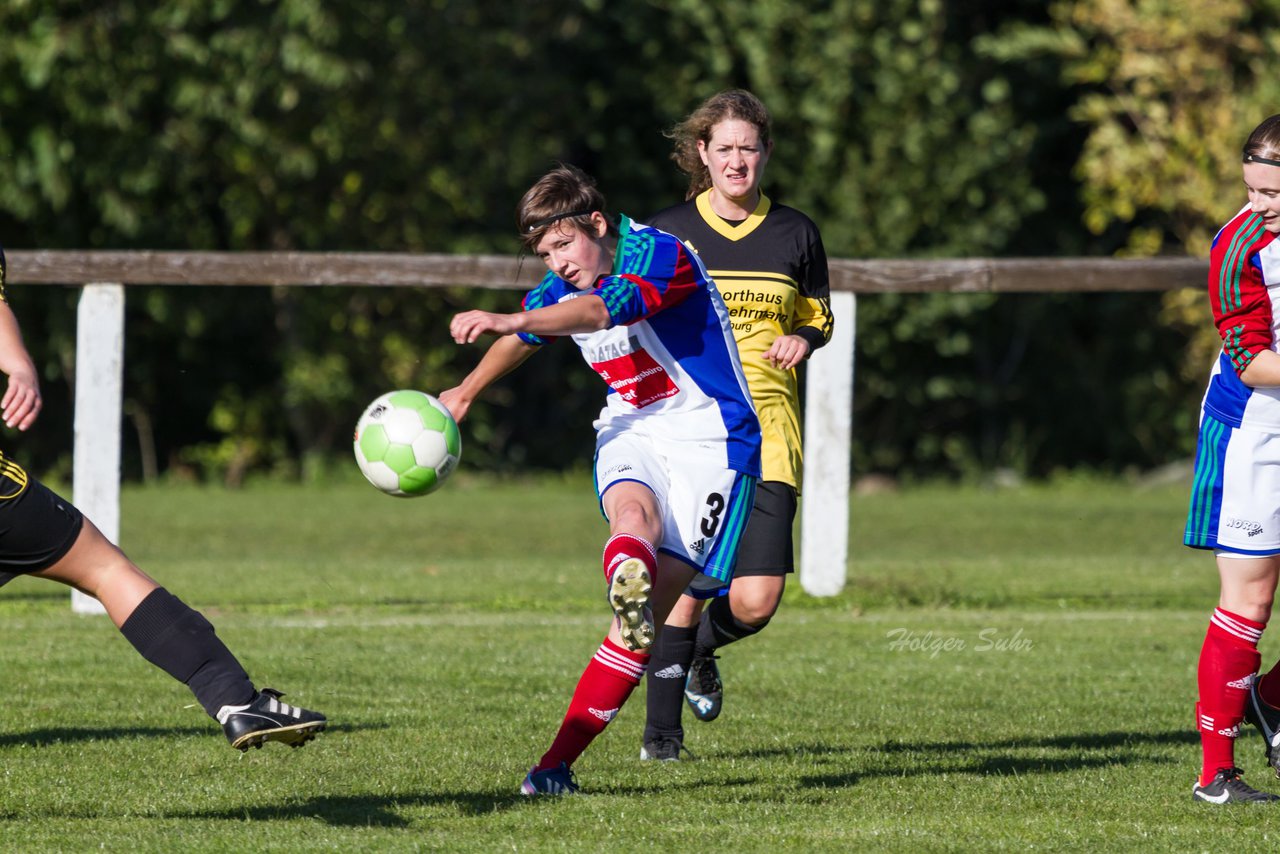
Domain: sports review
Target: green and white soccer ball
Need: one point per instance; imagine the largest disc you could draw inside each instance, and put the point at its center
(407, 443)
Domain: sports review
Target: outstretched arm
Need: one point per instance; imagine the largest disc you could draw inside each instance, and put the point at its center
(21, 401)
(506, 354)
(586, 313)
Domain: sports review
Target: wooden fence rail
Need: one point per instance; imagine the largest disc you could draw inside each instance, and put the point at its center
(380, 269)
(828, 406)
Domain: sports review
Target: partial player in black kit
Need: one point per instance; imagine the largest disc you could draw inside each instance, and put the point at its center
(43, 535)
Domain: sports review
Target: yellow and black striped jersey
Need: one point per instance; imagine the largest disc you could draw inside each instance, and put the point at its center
(771, 270)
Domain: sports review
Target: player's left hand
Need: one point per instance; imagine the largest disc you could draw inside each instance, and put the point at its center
(21, 402)
(470, 325)
(787, 351)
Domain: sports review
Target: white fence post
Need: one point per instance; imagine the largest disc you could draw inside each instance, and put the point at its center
(99, 386)
(828, 441)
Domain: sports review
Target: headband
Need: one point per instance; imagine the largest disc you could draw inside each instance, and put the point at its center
(1253, 158)
(534, 226)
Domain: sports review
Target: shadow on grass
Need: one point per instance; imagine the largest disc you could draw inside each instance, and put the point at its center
(997, 758)
(336, 811)
(1083, 741)
(382, 810)
(70, 735)
(363, 810)
(795, 751)
(990, 766)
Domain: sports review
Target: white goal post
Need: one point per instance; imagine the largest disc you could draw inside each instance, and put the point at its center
(828, 440)
(95, 480)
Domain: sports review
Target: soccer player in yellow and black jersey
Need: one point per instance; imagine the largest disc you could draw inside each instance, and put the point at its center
(44, 535)
(771, 269)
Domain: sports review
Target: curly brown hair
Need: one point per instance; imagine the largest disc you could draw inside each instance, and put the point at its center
(729, 104)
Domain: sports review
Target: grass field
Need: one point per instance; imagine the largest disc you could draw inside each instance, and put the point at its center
(1005, 670)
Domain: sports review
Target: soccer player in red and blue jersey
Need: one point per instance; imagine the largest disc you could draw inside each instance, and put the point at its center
(1235, 495)
(677, 442)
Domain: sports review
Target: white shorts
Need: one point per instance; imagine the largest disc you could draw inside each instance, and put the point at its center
(704, 505)
(1235, 493)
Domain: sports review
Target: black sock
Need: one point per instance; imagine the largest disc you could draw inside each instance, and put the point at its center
(182, 643)
(718, 627)
(664, 682)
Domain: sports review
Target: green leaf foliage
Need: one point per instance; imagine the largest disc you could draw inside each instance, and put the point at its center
(905, 128)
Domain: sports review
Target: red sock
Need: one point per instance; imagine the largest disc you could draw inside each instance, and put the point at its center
(610, 677)
(619, 547)
(1228, 660)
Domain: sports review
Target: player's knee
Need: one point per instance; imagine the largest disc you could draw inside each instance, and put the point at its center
(639, 525)
(1256, 607)
(756, 610)
(755, 603)
(92, 565)
(632, 507)
(1252, 601)
(636, 509)
(113, 573)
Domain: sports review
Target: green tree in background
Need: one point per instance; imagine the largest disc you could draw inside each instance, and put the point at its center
(905, 128)
(288, 125)
(1177, 90)
(1167, 93)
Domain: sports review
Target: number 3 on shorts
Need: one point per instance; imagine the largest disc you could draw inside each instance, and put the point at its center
(711, 522)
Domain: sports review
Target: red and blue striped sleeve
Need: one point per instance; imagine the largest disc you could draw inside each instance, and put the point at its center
(1237, 291)
(654, 272)
(540, 297)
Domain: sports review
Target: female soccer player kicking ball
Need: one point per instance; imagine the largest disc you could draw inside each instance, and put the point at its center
(677, 443)
(43, 535)
(1235, 497)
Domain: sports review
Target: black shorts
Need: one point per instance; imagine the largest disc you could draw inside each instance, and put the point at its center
(767, 546)
(36, 529)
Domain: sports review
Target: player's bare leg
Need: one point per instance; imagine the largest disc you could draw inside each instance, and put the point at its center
(97, 568)
(180, 641)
